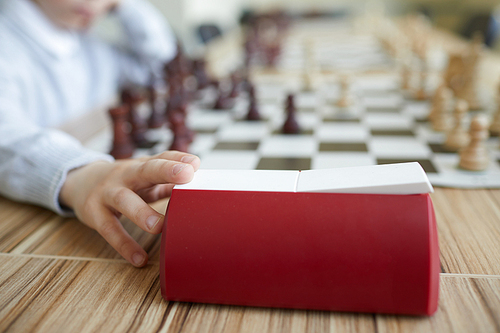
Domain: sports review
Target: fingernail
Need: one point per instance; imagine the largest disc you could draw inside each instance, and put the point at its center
(178, 168)
(152, 221)
(138, 259)
(188, 159)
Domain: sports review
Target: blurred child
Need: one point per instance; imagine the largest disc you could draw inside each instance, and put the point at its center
(52, 70)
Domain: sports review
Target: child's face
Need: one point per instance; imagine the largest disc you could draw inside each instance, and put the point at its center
(75, 14)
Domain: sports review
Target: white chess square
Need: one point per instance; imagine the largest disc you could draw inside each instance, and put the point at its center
(342, 132)
(244, 131)
(202, 143)
(207, 120)
(388, 121)
(398, 147)
(305, 120)
(389, 101)
(288, 146)
(308, 120)
(378, 83)
(269, 91)
(426, 134)
(229, 160)
(325, 160)
(309, 100)
(418, 110)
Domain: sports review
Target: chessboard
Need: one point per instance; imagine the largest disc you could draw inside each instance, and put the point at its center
(383, 126)
(319, 64)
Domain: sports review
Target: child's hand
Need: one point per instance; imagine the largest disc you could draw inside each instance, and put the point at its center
(101, 192)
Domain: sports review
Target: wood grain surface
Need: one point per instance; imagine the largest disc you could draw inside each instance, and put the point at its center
(57, 275)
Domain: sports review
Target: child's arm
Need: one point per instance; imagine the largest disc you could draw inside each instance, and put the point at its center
(35, 163)
(33, 160)
(101, 192)
(147, 31)
(149, 42)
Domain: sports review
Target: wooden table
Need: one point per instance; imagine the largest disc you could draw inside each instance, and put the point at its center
(57, 275)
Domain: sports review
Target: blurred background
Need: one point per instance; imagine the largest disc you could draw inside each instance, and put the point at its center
(219, 16)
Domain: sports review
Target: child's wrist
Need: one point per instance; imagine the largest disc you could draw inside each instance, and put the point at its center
(70, 186)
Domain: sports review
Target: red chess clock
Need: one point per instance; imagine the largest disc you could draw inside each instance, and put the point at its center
(353, 239)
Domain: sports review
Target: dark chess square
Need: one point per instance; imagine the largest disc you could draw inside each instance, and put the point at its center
(343, 146)
(284, 163)
(426, 164)
(438, 148)
(237, 146)
(392, 132)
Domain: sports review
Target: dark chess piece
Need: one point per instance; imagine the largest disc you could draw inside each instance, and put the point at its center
(175, 101)
(291, 126)
(133, 98)
(123, 147)
(179, 65)
(157, 101)
(183, 136)
(200, 73)
(179, 144)
(250, 47)
(223, 102)
(235, 84)
(272, 52)
(178, 125)
(253, 111)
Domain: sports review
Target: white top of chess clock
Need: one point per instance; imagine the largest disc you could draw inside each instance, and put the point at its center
(402, 178)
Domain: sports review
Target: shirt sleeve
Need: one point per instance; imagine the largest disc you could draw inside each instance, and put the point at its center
(34, 161)
(149, 40)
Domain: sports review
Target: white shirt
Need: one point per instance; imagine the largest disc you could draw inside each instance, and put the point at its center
(48, 76)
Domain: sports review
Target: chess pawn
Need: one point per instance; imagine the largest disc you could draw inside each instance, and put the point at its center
(123, 147)
(345, 99)
(253, 112)
(475, 156)
(308, 79)
(441, 118)
(291, 126)
(458, 137)
(310, 66)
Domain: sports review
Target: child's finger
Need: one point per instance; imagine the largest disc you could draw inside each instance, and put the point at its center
(113, 232)
(156, 193)
(159, 171)
(128, 203)
(175, 155)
